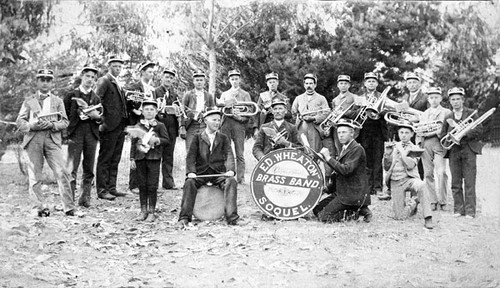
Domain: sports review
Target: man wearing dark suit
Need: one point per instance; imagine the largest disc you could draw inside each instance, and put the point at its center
(463, 157)
(111, 131)
(266, 98)
(146, 69)
(276, 134)
(195, 103)
(210, 153)
(351, 189)
(83, 133)
(166, 96)
(415, 97)
(42, 139)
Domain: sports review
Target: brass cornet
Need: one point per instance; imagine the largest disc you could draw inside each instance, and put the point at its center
(247, 109)
(462, 128)
(372, 108)
(85, 111)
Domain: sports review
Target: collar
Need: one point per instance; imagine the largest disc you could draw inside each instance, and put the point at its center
(232, 89)
(149, 123)
(279, 122)
(199, 92)
(406, 144)
(310, 93)
(113, 77)
(210, 134)
(347, 145)
(414, 94)
(42, 96)
(458, 111)
(145, 84)
(83, 90)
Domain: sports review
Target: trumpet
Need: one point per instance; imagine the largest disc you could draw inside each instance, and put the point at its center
(427, 129)
(247, 109)
(135, 96)
(462, 128)
(332, 118)
(85, 111)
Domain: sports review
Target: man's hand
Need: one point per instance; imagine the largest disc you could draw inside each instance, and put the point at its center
(182, 132)
(308, 118)
(388, 148)
(136, 111)
(132, 164)
(94, 115)
(191, 175)
(282, 141)
(237, 117)
(44, 125)
(154, 141)
(230, 173)
(255, 133)
(326, 153)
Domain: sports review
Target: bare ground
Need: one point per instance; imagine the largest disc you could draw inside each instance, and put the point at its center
(106, 248)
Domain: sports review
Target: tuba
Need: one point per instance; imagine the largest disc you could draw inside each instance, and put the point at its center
(332, 118)
(427, 129)
(462, 128)
(241, 108)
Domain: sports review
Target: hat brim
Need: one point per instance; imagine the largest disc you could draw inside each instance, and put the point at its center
(89, 69)
(212, 112)
(44, 76)
(115, 60)
(150, 103)
(414, 78)
(169, 72)
(272, 78)
(406, 126)
(234, 74)
(278, 103)
(146, 66)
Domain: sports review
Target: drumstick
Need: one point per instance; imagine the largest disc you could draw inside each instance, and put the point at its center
(320, 156)
(210, 175)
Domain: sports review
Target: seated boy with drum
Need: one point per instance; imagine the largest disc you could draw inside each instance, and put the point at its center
(210, 159)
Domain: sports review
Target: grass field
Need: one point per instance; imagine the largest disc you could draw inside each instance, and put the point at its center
(106, 248)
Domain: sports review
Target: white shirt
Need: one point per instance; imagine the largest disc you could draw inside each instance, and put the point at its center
(344, 147)
(413, 95)
(278, 123)
(83, 90)
(211, 138)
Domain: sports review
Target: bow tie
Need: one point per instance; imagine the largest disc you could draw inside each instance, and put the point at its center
(405, 145)
(148, 123)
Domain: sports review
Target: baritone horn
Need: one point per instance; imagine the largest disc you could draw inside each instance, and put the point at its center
(400, 112)
(332, 118)
(244, 109)
(462, 128)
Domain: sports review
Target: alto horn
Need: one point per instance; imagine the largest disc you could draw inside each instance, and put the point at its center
(332, 118)
(241, 108)
(462, 128)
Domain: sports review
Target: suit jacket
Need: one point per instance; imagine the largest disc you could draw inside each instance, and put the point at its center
(29, 105)
(241, 96)
(389, 163)
(420, 102)
(302, 105)
(264, 103)
(189, 101)
(351, 176)
(172, 122)
(73, 111)
(154, 153)
(200, 159)
(113, 102)
(345, 99)
(263, 145)
(471, 139)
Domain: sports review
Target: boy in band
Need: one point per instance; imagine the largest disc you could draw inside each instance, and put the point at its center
(145, 159)
(210, 153)
(83, 132)
(433, 156)
(463, 157)
(42, 139)
(402, 176)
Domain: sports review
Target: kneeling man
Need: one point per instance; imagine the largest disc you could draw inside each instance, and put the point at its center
(350, 174)
(210, 153)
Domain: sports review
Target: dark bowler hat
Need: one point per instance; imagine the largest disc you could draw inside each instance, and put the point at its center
(234, 72)
(456, 90)
(272, 75)
(212, 111)
(89, 67)
(405, 124)
(170, 71)
(199, 73)
(311, 76)
(434, 90)
(344, 78)
(278, 101)
(114, 58)
(150, 102)
(145, 65)
(45, 73)
(411, 75)
(371, 75)
(348, 123)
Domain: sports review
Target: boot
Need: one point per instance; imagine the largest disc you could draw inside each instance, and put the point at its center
(85, 197)
(143, 215)
(428, 222)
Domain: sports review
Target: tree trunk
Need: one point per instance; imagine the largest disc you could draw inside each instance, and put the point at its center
(212, 60)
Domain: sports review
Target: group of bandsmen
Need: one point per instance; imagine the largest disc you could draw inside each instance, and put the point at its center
(354, 153)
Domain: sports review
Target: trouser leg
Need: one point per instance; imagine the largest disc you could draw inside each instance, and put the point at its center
(239, 147)
(331, 210)
(152, 183)
(428, 163)
(190, 190)
(75, 148)
(470, 171)
(115, 161)
(398, 193)
(230, 197)
(456, 180)
(89, 151)
(34, 151)
(141, 168)
(167, 163)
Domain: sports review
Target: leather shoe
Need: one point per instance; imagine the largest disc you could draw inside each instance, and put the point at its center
(117, 194)
(368, 218)
(182, 223)
(233, 222)
(428, 223)
(142, 216)
(70, 213)
(106, 196)
(45, 212)
(83, 203)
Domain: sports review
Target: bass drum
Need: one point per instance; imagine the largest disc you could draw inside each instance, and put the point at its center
(209, 204)
(286, 184)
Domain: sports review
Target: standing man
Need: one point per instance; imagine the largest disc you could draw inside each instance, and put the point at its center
(351, 190)
(372, 137)
(146, 69)
(463, 157)
(195, 102)
(267, 97)
(344, 100)
(111, 131)
(415, 97)
(83, 132)
(235, 126)
(42, 139)
(309, 110)
(208, 154)
(166, 95)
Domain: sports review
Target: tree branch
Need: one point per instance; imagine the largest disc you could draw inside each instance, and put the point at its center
(234, 33)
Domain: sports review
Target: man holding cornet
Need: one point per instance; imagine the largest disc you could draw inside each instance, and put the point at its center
(83, 132)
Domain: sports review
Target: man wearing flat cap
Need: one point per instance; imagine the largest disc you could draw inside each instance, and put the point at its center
(210, 153)
(166, 96)
(415, 97)
(83, 132)
(234, 126)
(195, 102)
(350, 192)
(111, 131)
(276, 134)
(41, 119)
(267, 97)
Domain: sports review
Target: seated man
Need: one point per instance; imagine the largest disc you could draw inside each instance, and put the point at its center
(351, 183)
(208, 154)
(402, 175)
(275, 134)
